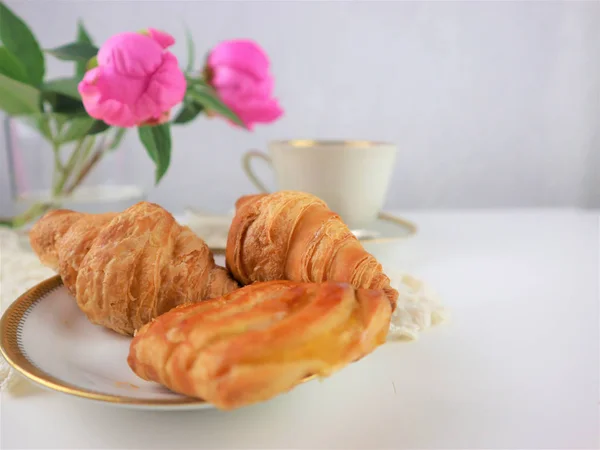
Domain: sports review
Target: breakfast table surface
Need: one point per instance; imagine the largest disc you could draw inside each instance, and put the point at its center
(516, 365)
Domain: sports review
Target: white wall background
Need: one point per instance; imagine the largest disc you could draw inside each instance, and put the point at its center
(493, 104)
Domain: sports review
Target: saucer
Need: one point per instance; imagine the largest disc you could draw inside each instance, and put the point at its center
(213, 228)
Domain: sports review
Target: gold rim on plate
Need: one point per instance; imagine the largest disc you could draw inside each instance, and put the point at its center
(10, 330)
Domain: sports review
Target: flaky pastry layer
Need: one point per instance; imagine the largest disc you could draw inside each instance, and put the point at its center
(126, 268)
(295, 236)
(260, 341)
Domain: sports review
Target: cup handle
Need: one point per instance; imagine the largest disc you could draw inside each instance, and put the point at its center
(247, 166)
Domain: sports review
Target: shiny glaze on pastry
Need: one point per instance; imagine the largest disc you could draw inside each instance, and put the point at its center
(261, 340)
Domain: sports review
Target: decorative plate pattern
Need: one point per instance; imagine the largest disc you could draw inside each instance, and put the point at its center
(48, 340)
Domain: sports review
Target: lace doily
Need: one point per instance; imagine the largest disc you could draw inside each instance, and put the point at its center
(20, 270)
(418, 307)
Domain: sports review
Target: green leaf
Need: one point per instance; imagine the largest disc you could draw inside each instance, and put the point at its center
(191, 50)
(208, 98)
(157, 141)
(81, 126)
(75, 51)
(20, 41)
(117, 138)
(60, 120)
(77, 128)
(42, 123)
(39, 122)
(98, 127)
(18, 98)
(82, 37)
(11, 66)
(188, 112)
(63, 104)
(64, 86)
(82, 34)
(63, 96)
(196, 81)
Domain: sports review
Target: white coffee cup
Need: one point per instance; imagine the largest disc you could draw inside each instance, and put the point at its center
(352, 177)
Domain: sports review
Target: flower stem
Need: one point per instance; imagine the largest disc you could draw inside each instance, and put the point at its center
(58, 167)
(57, 190)
(35, 210)
(77, 168)
(85, 170)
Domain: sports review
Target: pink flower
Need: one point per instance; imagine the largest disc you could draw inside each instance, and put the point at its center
(239, 72)
(136, 81)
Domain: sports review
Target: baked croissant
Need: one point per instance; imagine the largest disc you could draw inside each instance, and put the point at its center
(260, 340)
(295, 236)
(126, 268)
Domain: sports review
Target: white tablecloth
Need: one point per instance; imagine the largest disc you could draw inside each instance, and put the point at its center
(516, 367)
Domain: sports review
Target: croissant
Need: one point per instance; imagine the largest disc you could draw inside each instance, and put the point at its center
(126, 268)
(295, 236)
(259, 341)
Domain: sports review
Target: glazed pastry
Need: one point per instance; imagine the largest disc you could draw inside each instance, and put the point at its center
(295, 236)
(260, 340)
(126, 268)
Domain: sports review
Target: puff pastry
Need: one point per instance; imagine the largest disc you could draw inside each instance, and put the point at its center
(295, 236)
(260, 340)
(126, 268)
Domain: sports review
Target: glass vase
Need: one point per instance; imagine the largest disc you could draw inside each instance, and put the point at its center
(88, 175)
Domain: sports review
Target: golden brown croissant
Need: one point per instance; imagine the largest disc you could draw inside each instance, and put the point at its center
(295, 236)
(126, 268)
(260, 340)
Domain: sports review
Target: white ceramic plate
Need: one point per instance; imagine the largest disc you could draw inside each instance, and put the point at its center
(49, 340)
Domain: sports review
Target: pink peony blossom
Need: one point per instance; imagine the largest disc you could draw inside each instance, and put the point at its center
(136, 81)
(239, 72)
